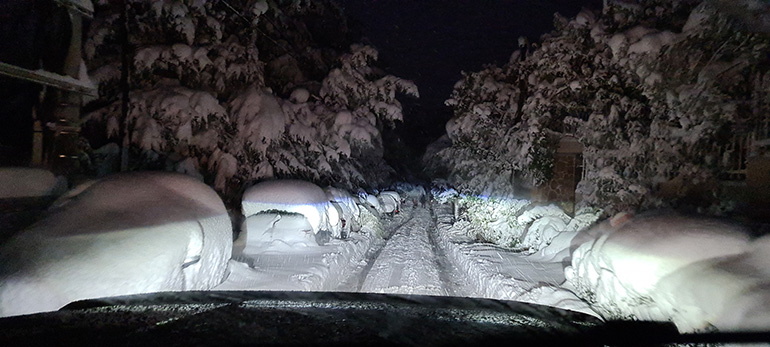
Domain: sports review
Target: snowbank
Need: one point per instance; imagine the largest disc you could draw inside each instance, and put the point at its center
(293, 196)
(23, 182)
(498, 273)
(695, 272)
(731, 293)
(126, 234)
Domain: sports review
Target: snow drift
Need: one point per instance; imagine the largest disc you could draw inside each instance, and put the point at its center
(126, 234)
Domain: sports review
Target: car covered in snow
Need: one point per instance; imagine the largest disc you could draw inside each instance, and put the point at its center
(389, 201)
(297, 197)
(270, 230)
(124, 234)
(348, 209)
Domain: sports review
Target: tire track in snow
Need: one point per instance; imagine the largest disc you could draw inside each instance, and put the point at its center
(455, 283)
(408, 263)
(355, 282)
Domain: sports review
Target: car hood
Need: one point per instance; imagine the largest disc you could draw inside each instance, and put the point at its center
(313, 318)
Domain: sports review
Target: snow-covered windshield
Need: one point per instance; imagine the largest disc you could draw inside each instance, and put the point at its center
(608, 158)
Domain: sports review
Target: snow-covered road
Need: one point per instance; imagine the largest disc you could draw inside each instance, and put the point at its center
(408, 263)
(414, 252)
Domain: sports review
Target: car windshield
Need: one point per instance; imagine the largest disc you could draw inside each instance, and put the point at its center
(592, 161)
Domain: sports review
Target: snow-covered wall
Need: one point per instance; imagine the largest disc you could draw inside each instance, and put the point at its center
(125, 234)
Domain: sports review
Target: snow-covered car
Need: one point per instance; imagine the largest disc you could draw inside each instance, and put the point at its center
(390, 202)
(125, 234)
(695, 272)
(273, 229)
(347, 208)
(294, 196)
(410, 192)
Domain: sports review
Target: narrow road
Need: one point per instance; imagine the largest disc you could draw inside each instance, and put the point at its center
(408, 262)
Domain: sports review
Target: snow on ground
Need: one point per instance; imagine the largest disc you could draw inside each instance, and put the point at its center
(499, 273)
(407, 263)
(24, 182)
(413, 252)
(293, 261)
(127, 234)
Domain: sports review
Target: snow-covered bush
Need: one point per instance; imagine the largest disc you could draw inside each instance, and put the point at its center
(201, 102)
(126, 234)
(653, 91)
(520, 224)
(697, 273)
(494, 220)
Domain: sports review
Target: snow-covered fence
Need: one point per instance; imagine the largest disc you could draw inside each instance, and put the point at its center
(126, 234)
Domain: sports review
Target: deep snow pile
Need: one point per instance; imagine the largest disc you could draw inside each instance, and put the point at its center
(698, 273)
(126, 234)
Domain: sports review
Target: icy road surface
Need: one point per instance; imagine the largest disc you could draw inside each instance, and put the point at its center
(414, 252)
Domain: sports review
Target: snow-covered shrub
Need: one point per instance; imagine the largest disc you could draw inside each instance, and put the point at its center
(494, 220)
(652, 90)
(635, 268)
(520, 224)
(126, 234)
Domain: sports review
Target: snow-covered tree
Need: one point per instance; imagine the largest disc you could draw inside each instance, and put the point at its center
(653, 90)
(224, 91)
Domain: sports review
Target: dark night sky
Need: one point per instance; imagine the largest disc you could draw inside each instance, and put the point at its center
(432, 41)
